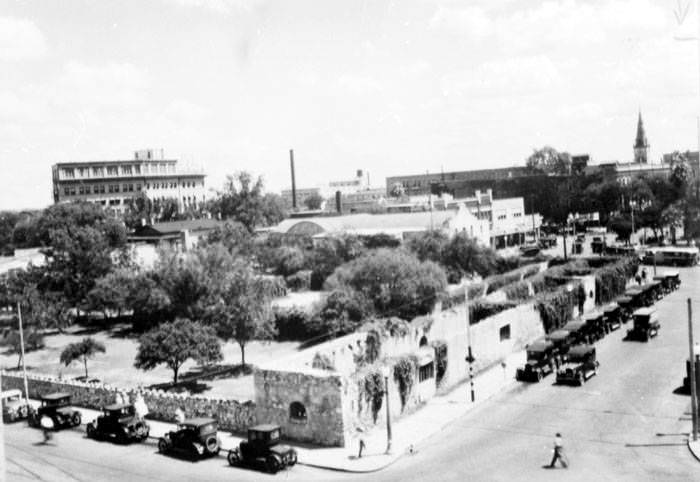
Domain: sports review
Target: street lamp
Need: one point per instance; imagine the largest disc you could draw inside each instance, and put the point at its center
(386, 372)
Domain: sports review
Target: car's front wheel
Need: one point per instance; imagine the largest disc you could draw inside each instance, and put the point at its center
(292, 459)
(272, 464)
(76, 419)
(234, 458)
(163, 446)
(90, 430)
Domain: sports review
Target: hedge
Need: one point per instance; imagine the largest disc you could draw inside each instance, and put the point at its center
(611, 280)
(299, 281)
(556, 306)
(480, 310)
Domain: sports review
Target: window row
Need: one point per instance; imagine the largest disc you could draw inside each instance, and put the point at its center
(100, 189)
(125, 170)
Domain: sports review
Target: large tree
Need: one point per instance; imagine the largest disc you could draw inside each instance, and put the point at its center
(243, 311)
(314, 202)
(174, 343)
(550, 161)
(243, 200)
(82, 351)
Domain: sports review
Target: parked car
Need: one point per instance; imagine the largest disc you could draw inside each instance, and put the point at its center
(595, 326)
(55, 406)
(673, 278)
(612, 314)
(646, 324)
(597, 245)
(195, 438)
(118, 422)
(627, 307)
(263, 450)
(540, 361)
(580, 366)
(530, 249)
(14, 406)
(577, 330)
(562, 340)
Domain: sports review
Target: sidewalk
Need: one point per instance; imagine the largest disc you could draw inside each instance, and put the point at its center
(408, 433)
(694, 447)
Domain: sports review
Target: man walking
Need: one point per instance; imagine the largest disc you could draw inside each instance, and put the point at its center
(559, 453)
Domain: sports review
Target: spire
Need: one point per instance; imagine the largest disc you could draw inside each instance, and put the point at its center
(641, 145)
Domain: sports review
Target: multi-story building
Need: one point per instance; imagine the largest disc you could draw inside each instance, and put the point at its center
(113, 183)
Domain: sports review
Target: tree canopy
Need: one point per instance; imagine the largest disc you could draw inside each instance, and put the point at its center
(550, 161)
(82, 350)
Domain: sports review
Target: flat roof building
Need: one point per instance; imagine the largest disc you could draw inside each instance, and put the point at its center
(113, 183)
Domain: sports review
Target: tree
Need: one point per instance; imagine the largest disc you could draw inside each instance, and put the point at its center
(341, 312)
(83, 350)
(672, 216)
(243, 311)
(464, 255)
(550, 161)
(314, 202)
(234, 236)
(681, 172)
(428, 245)
(243, 200)
(8, 220)
(174, 343)
(109, 295)
(33, 340)
(394, 280)
(622, 226)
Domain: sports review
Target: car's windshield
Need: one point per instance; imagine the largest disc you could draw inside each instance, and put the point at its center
(208, 428)
(535, 355)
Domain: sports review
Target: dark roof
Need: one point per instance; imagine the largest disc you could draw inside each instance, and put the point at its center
(579, 350)
(265, 427)
(117, 406)
(198, 422)
(175, 227)
(55, 396)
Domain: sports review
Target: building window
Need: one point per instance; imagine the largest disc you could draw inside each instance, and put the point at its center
(423, 341)
(137, 169)
(126, 170)
(138, 187)
(131, 188)
(72, 191)
(517, 215)
(112, 171)
(69, 173)
(97, 172)
(297, 412)
(426, 372)
(81, 190)
(66, 191)
(504, 332)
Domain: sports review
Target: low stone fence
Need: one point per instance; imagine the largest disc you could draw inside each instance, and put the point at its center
(232, 415)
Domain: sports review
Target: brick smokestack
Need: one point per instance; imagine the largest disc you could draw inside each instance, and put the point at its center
(338, 203)
(294, 183)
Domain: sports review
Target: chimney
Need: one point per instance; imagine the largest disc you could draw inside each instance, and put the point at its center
(338, 202)
(294, 183)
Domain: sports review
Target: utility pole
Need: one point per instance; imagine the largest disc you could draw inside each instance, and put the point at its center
(470, 356)
(21, 343)
(693, 388)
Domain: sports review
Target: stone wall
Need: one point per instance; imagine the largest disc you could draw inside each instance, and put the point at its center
(319, 393)
(231, 414)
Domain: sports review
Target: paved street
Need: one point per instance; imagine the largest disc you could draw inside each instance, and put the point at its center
(624, 424)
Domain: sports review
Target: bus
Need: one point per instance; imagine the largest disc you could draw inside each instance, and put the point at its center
(672, 256)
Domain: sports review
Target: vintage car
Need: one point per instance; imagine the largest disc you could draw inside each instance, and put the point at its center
(547, 242)
(674, 279)
(14, 406)
(562, 340)
(627, 307)
(640, 297)
(577, 330)
(646, 324)
(612, 314)
(665, 284)
(118, 422)
(263, 450)
(540, 361)
(55, 406)
(580, 366)
(595, 326)
(195, 438)
(654, 290)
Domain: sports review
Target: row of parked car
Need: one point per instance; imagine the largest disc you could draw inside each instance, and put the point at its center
(569, 351)
(194, 438)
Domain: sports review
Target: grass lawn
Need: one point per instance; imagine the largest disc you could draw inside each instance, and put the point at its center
(116, 366)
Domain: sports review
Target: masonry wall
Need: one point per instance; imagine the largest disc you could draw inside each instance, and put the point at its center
(320, 393)
(231, 414)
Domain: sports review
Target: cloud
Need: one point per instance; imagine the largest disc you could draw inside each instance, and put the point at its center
(219, 6)
(20, 40)
(513, 76)
(468, 20)
(359, 84)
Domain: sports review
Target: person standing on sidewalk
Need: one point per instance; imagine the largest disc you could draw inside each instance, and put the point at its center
(559, 453)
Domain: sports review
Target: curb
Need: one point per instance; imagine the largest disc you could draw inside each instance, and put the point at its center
(352, 471)
(694, 447)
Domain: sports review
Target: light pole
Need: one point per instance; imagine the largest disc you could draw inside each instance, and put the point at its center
(385, 372)
(470, 357)
(21, 343)
(691, 374)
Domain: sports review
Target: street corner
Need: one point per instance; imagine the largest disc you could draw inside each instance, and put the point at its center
(694, 447)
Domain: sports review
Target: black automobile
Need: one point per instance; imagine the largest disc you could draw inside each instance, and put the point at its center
(540, 361)
(646, 324)
(118, 422)
(595, 326)
(195, 438)
(577, 331)
(612, 314)
(580, 366)
(55, 406)
(263, 450)
(562, 340)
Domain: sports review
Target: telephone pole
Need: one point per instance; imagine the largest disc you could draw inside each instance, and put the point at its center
(693, 388)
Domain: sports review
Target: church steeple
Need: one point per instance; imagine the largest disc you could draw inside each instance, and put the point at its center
(641, 145)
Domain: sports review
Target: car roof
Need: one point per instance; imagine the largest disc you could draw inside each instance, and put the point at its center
(117, 406)
(635, 290)
(55, 396)
(610, 307)
(540, 345)
(559, 334)
(574, 325)
(199, 421)
(671, 272)
(10, 393)
(581, 349)
(265, 427)
(623, 299)
(593, 315)
(644, 312)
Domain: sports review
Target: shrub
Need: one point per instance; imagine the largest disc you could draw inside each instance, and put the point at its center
(380, 240)
(440, 347)
(374, 392)
(322, 361)
(611, 280)
(287, 260)
(292, 323)
(405, 375)
(555, 307)
(480, 310)
(274, 286)
(519, 290)
(299, 281)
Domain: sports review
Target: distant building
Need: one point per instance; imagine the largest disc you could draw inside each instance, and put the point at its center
(113, 183)
(302, 195)
(348, 188)
(180, 234)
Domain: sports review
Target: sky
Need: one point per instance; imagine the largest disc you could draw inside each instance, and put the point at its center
(391, 87)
